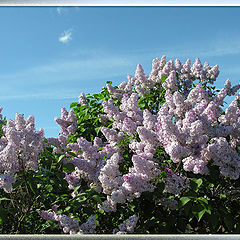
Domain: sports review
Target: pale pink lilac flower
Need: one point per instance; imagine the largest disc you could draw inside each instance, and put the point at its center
(72, 179)
(20, 148)
(67, 122)
(175, 183)
(197, 70)
(82, 100)
(225, 157)
(109, 175)
(168, 203)
(170, 82)
(68, 224)
(187, 139)
(127, 226)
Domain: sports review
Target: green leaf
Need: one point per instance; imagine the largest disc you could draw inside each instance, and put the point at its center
(49, 188)
(31, 187)
(97, 129)
(195, 184)
(211, 185)
(97, 199)
(142, 105)
(67, 208)
(97, 120)
(223, 195)
(208, 211)
(76, 188)
(74, 104)
(101, 211)
(132, 207)
(183, 201)
(82, 194)
(83, 199)
(5, 199)
(69, 167)
(203, 200)
(61, 158)
(164, 78)
(200, 214)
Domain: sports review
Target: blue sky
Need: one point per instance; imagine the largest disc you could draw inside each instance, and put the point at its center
(49, 55)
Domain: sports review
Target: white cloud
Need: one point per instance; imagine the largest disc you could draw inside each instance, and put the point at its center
(89, 66)
(227, 46)
(49, 94)
(66, 36)
(59, 10)
(64, 78)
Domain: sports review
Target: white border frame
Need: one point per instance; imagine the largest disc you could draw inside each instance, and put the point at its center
(115, 3)
(127, 236)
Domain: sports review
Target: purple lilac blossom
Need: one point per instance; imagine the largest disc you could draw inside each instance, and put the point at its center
(20, 148)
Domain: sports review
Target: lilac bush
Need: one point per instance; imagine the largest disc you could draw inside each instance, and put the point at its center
(189, 125)
(156, 154)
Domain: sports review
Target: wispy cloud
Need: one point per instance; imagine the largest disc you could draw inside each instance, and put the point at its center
(47, 94)
(64, 79)
(92, 67)
(66, 36)
(59, 10)
(223, 44)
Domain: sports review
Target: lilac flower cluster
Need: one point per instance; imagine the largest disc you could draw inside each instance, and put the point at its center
(20, 148)
(59, 143)
(129, 119)
(67, 122)
(127, 226)
(175, 183)
(143, 84)
(82, 100)
(225, 157)
(89, 159)
(186, 125)
(121, 188)
(168, 203)
(68, 224)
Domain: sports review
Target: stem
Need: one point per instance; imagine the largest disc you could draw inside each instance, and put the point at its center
(178, 166)
(24, 175)
(24, 215)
